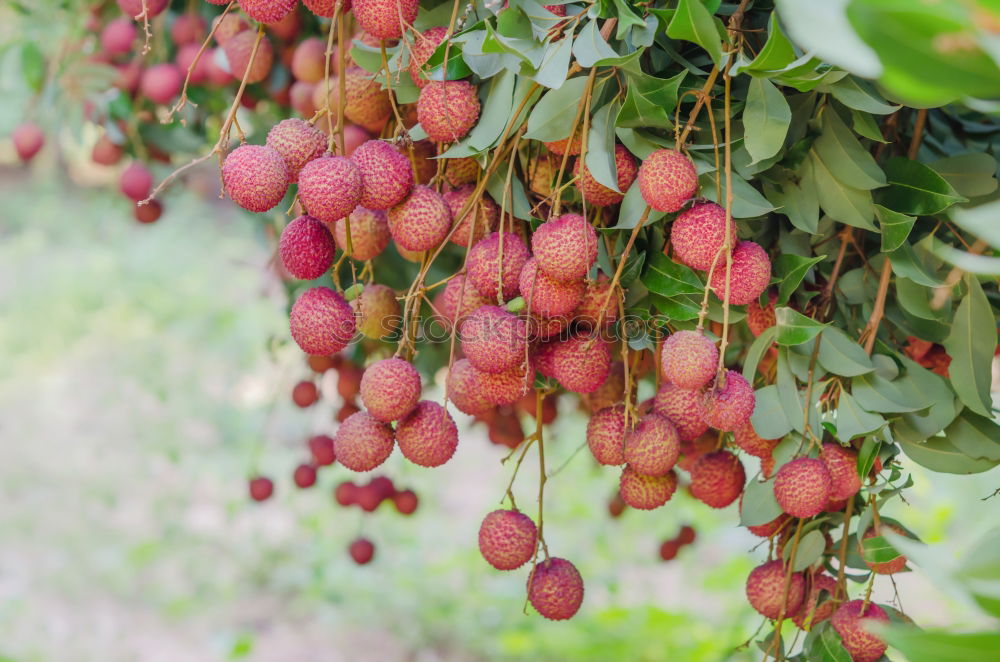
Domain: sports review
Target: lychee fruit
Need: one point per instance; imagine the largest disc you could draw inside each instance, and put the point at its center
(185, 61)
(326, 8)
(421, 221)
(149, 212)
(238, 50)
(379, 313)
(306, 248)
(304, 476)
(330, 187)
(187, 29)
(298, 142)
(770, 528)
(390, 389)
(555, 589)
(816, 607)
(305, 394)
(667, 179)
(669, 549)
(760, 319)
(447, 110)
(321, 449)
(228, 26)
(594, 297)
(802, 487)
(484, 269)
(892, 566)
(581, 363)
(698, 236)
(457, 300)
(750, 442)
(717, 479)
(565, 247)
(405, 501)
(610, 392)
(385, 19)
(136, 182)
(766, 590)
(309, 61)
(843, 465)
(367, 104)
(493, 339)
(646, 492)
(346, 493)
(464, 391)
(546, 296)
(560, 147)
(363, 442)
(480, 220)
(850, 623)
(386, 174)
(261, 488)
(595, 193)
(369, 233)
(606, 435)
(750, 274)
(162, 82)
(684, 408)
(362, 551)
(689, 359)
(255, 177)
(507, 539)
(424, 45)
(730, 406)
(461, 171)
(652, 447)
(509, 386)
(322, 322)
(105, 152)
(686, 535)
(118, 36)
(134, 8)
(427, 436)
(267, 11)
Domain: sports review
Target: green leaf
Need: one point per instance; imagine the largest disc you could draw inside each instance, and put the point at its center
(810, 549)
(798, 201)
(822, 28)
(843, 203)
(859, 95)
(917, 426)
(942, 646)
(843, 155)
(971, 344)
(794, 328)
(915, 188)
(895, 227)
(457, 67)
(497, 111)
(765, 119)
(747, 201)
(878, 550)
(908, 263)
(887, 397)
(759, 505)
(33, 65)
(840, 355)
(776, 54)
(693, 22)
(864, 125)
(551, 118)
(829, 647)
(971, 175)
(555, 63)
(680, 307)
(853, 421)
(497, 187)
(790, 269)
(649, 101)
(665, 277)
(980, 220)
(941, 455)
(760, 345)
(589, 46)
(632, 208)
(866, 456)
(601, 146)
(976, 436)
(768, 417)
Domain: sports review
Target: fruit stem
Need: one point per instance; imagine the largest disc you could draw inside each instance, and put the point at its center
(183, 101)
(621, 265)
(727, 244)
(842, 553)
(870, 332)
(542, 478)
(788, 589)
(583, 106)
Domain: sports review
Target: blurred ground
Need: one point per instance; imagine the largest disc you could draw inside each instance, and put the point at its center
(138, 390)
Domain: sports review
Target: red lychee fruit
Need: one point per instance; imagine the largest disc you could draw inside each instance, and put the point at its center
(363, 442)
(330, 187)
(555, 589)
(321, 449)
(730, 406)
(484, 269)
(309, 61)
(760, 319)
(652, 447)
(306, 248)
(185, 60)
(684, 408)
(546, 296)
(322, 322)
(464, 391)
(595, 193)
(305, 394)
(349, 380)
(698, 236)
(136, 182)
(118, 36)
(447, 110)
(750, 274)
(689, 359)
(162, 82)
(667, 179)
(457, 300)
(686, 535)
(390, 389)
(378, 311)
(304, 476)
(326, 8)
(509, 386)
(769, 529)
(507, 539)
(255, 177)
(843, 465)
(346, 493)
(461, 171)
(135, 8)
(424, 45)
(217, 74)
(493, 339)
(817, 606)
(767, 466)
(427, 436)
(617, 505)
(149, 212)
(369, 233)
(261, 488)
(610, 392)
(106, 152)
(581, 364)
(802, 487)
(187, 29)
(669, 549)
(480, 220)
(504, 428)
(367, 104)
(752, 443)
(565, 247)
(594, 297)
(386, 174)
(606, 436)
(766, 590)
(850, 623)
(421, 221)
(646, 492)
(369, 497)
(238, 50)
(267, 11)
(298, 142)
(229, 26)
(717, 479)
(405, 501)
(362, 551)
(385, 19)
(560, 147)
(892, 566)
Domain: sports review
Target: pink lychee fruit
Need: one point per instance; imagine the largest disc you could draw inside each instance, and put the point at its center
(421, 221)
(162, 82)
(768, 529)
(267, 11)
(367, 104)
(646, 492)
(484, 268)
(149, 212)
(321, 449)
(509, 386)
(750, 442)
(606, 435)
(480, 219)
(817, 606)
(565, 247)
(135, 8)
(424, 45)
(802, 487)
(667, 179)
(309, 61)
(136, 182)
(610, 392)
(386, 174)
(363, 442)
(546, 296)
(118, 36)
(306, 248)
(447, 110)
(390, 389)
(106, 152)
(228, 26)
(652, 447)
(238, 50)
(427, 436)
(594, 297)
(684, 408)
(464, 389)
(560, 147)
(595, 193)
(187, 29)
(298, 142)
(717, 479)
(843, 465)
(767, 588)
(850, 621)
(326, 8)
(507, 539)
(457, 300)
(760, 319)
(322, 322)
(730, 405)
(698, 236)
(330, 187)
(493, 339)
(385, 19)
(369, 233)
(581, 363)
(689, 359)
(555, 589)
(362, 551)
(255, 177)
(185, 60)
(750, 274)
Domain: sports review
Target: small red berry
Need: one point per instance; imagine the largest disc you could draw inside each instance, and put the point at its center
(304, 476)
(261, 488)
(362, 551)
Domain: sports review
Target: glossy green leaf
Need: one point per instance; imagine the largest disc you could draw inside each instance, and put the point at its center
(887, 397)
(917, 426)
(555, 63)
(971, 344)
(980, 220)
(768, 417)
(589, 46)
(758, 505)
(867, 455)
(680, 307)
(853, 421)
(859, 95)
(601, 146)
(747, 201)
(942, 646)
(794, 328)
(667, 278)
(649, 101)
(496, 112)
(790, 269)
(941, 455)
(551, 118)
(765, 119)
(914, 188)
(776, 54)
(975, 435)
(693, 22)
(971, 175)
(843, 155)
(843, 203)
(828, 647)
(809, 550)
(755, 353)
(798, 200)
(895, 227)
(841, 355)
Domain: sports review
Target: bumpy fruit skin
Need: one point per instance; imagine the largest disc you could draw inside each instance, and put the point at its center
(897, 564)
(544, 359)
(760, 319)
(427, 436)
(507, 539)
(750, 274)
(457, 300)
(606, 436)
(464, 390)
(363, 442)
(421, 222)
(843, 466)
(385, 173)
(580, 368)
(698, 236)
(330, 187)
(717, 479)
(322, 322)
(162, 82)
(684, 408)
(770, 528)
(321, 449)
(730, 406)
(667, 179)
(483, 265)
(493, 339)
(546, 296)
(484, 215)
(367, 103)
(802, 487)
(652, 447)
(849, 622)
(362, 551)
(610, 392)
(261, 488)
(447, 110)
(507, 387)
(325, 8)
(385, 19)
(766, 590)
(238, 49)
(560, 147)
(134, 8)
(646, 492)
(306, 248)
(752, 443)
(268, 11)
(424, 45)
(816, 607)
(378, 311)
(555, 589)
(589, 311)
(461, 171)
(689, 359)
(369, 233)
(255, 177)
(596, 193)
(390, 389)
(136, 182)
(565, 247)
(298, 142)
